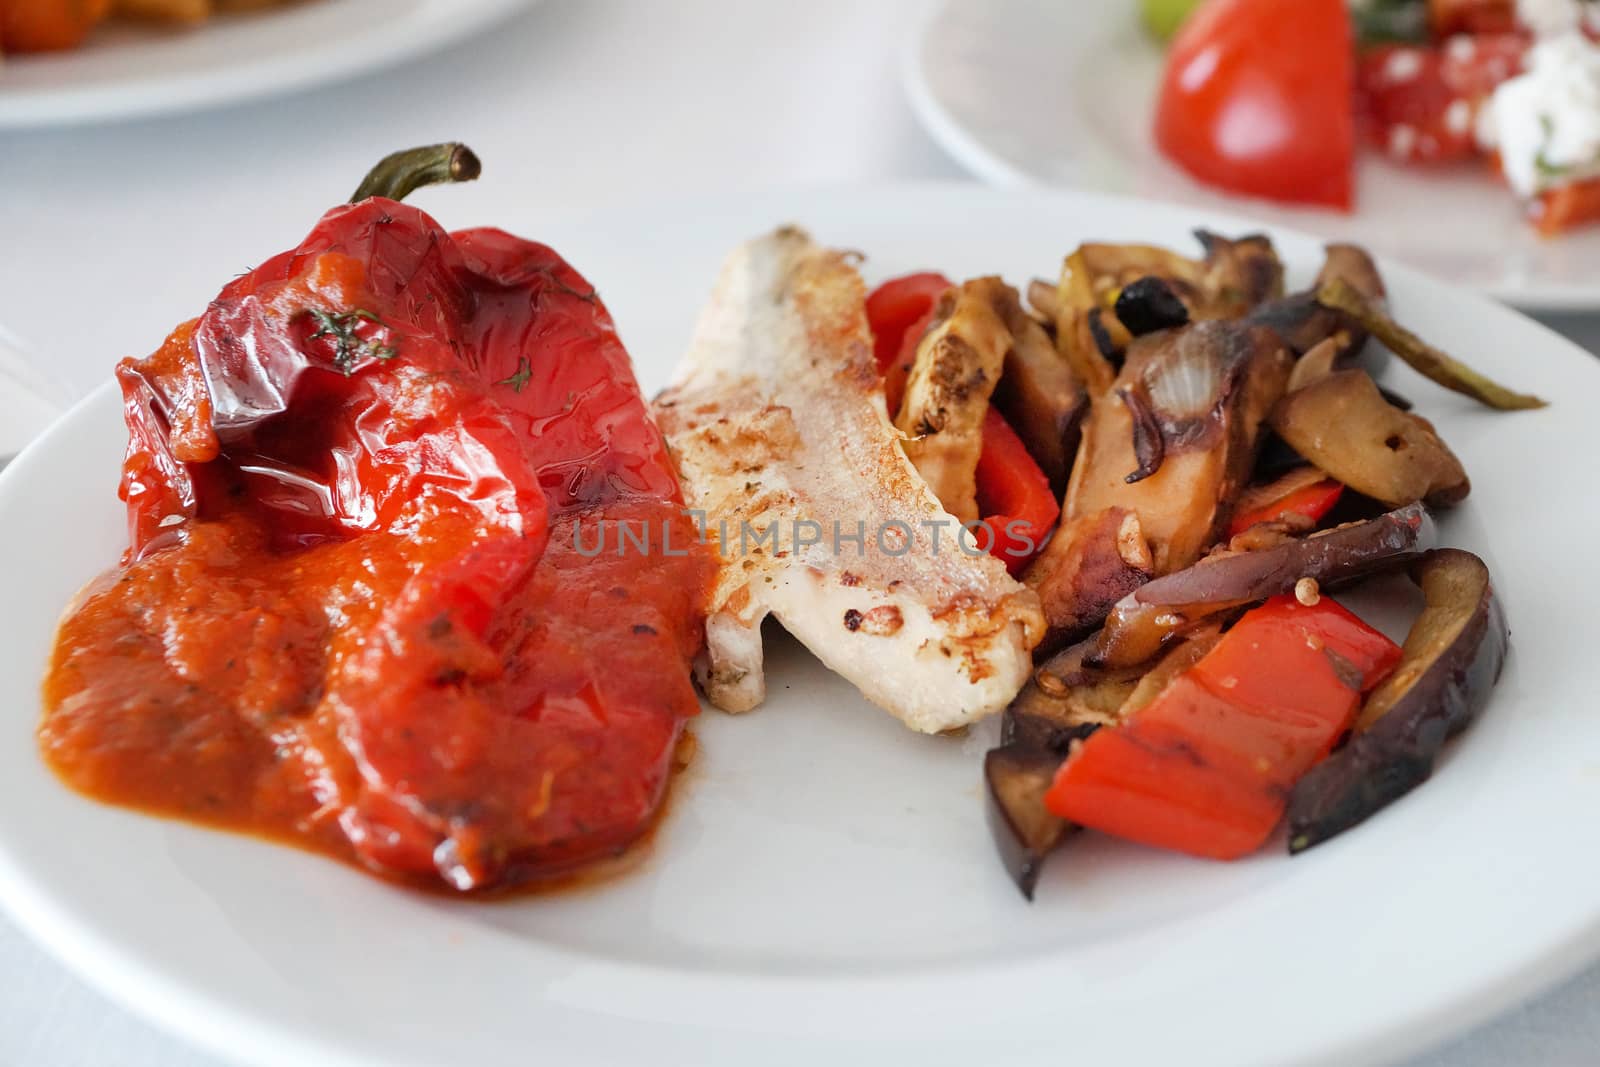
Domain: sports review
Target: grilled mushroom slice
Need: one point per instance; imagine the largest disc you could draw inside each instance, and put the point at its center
(1343, 425)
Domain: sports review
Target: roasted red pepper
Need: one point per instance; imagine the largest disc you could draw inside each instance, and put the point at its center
(899, 312)
(1206, 767)
(1014, 496)
(376, 595)
(1313, 501)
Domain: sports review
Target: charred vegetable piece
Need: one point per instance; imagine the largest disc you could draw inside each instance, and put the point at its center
(1040, 397)
(1148, 305)
(1145, 619)
(1205, 768)
(1203, 393)
(1426, 360)
(1451, 659)
(1067, 700)
(1239, 274)
(1185, 418)
(1305, 493)
(958, 364)
(1024, 830)
(1303, 323)
(1194, 646)
(1234, 277)
(1344, 426)
(1089, 565)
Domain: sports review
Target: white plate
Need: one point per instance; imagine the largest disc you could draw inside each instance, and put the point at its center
(130, 69)
(824, 888)
(1063, 92)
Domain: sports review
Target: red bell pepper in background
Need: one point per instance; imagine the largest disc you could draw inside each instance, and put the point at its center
(1014, 496)
(898, 312)
(1206, 767)
(1256, 99)
(1314, 501)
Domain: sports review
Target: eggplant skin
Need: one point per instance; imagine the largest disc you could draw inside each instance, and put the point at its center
(1144, 620)
(1016, 777)
(1437, 691)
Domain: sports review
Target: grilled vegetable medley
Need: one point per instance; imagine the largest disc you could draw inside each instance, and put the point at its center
(1189, 460)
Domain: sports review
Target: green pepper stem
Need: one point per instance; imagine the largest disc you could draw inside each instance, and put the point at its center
(401, 173)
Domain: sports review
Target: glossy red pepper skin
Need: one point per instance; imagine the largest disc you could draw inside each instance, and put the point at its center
(1206, 767)
(900, 312)
(1014, 495)
(1314, 502)
(358, 601)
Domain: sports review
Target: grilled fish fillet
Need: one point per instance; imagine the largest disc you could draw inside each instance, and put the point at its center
(778, 427)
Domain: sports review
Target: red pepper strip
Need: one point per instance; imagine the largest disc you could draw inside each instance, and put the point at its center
(899, 311)
(1566, 207)
(1014, 496)
(1206, 767)
(1313, 501)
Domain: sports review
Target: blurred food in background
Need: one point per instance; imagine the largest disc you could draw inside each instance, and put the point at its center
(57, 25)
(1271, 97)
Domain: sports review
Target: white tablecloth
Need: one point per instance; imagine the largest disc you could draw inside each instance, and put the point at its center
(111, 235)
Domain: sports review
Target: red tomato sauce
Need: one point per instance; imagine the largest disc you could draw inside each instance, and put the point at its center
(375, 601)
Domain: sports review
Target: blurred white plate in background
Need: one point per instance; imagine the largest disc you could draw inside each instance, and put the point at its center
(823, 888)
(1063, 91)
(129, 69)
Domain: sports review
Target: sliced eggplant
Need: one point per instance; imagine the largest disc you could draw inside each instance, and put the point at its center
(1146, 619)
(1017, 776)
(1040, 396)
(1343, 425)
(1452, 658)
(1189, 650)
(1066, 701)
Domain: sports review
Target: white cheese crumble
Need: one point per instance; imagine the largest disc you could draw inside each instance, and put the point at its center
(1546, 121)
(1552, 18)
